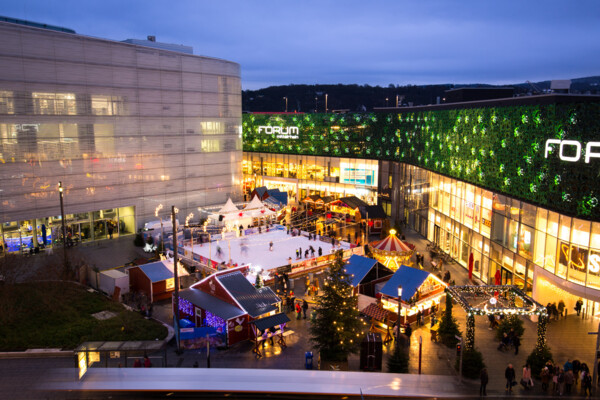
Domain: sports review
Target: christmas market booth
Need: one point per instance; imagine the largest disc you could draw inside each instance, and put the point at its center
(365, 273)
(223, 306)
(349, 205)
(418, 290)
(391, 251)
(155, 280)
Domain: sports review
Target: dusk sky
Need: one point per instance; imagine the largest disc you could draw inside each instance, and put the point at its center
(363, 42)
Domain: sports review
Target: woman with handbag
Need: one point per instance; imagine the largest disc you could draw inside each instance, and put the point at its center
(526, 380)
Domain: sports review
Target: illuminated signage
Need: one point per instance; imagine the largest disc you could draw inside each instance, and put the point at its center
(594, 263)
(573, 145)
(486, 222)
(280, 132)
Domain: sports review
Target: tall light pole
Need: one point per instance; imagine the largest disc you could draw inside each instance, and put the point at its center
(325, 103)
(286, 99)
(316, 98)
(397, 101)
(187, 223)
(162, 234)
(174, 211)
(64, 227)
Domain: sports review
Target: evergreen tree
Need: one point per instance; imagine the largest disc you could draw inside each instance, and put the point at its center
(336, 329)
(398, 361)
(259, 281)
(448, 325)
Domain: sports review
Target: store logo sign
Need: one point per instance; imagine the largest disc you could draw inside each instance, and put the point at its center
(280, 132)
(594, 264)
(572, 145)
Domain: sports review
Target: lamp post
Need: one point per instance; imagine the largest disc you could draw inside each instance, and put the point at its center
(174, 211)
(64, 227)
(325, 103)
(399, 308)
(386, 101)
(187, 223)
(286, 100)
(397, 101)
(162, 234)
(316, 108)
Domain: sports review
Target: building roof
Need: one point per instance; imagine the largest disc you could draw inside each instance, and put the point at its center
(255, 302)
(378, 313)
(260, 191)
(353, 202)
(277, 196)
(270, 321)
(358, 267)
(254, 204)
(392, 244)
(210, 303)
(410, 279)
(156, 271)
(375, 212)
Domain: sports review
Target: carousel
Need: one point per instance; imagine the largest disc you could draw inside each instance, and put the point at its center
(392, 252)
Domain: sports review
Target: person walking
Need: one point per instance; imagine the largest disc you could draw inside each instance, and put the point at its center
(298, 311)
(147, 362)
(271, 246)
(137, 363)
(586, 383)
(484, 378)
(304, 307)
(561, 308)
(578, 306)
(526, 380)
(320, 252)
(545, 377)
(516, 341)
(509, 374)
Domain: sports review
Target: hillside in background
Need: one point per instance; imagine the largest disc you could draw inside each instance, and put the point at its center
(308, 98)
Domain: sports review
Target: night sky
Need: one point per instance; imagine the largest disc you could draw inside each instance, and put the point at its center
(363, 42)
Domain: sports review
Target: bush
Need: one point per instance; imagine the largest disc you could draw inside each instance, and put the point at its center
(538, 359)
(472, 363)
(508, 323)
(448, 325)
(398, 361)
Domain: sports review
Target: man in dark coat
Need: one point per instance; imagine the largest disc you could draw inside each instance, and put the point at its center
(509, 374)
(484, 378)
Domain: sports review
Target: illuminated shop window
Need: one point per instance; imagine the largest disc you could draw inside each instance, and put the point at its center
(54, 103)
(7, 104)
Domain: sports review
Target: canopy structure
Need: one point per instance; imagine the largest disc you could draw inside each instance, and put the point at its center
(391, 251)
(229, 207)
(232, 217)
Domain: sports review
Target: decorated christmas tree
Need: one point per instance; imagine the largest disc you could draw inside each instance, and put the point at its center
(336, 330)
(448, 326)
(259, 281)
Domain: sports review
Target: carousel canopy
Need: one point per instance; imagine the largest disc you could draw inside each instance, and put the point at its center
(392, 244)
(228, 207)
(411, 279)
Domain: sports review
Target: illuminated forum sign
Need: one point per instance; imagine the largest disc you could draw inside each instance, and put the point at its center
(280, 132)
(574, 149)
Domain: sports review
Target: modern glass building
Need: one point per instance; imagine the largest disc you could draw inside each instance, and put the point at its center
(125, 128)
(512, 182)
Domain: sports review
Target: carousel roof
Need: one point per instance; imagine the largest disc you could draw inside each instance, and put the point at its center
(392, 244)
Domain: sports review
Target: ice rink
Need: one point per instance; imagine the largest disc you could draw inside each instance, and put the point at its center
(254, 249)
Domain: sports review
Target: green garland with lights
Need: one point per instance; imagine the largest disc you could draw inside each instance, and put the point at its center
(470, 334)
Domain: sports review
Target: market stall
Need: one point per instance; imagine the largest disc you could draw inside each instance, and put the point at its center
(391, 251)
(418, 290)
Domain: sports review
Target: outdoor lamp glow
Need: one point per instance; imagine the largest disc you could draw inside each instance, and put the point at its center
(399, 292)
(392, 231)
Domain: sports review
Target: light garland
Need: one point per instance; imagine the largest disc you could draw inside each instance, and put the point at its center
(186, 307)
(212, 320)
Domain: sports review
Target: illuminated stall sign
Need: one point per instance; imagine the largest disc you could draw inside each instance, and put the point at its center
(280, 132)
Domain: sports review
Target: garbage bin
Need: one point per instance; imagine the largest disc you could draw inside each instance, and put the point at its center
(308, 360)
(371, 352)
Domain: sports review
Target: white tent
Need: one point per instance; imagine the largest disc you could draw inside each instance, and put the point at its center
(254, 204)
(229, 207)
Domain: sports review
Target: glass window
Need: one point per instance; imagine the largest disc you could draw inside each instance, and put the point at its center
(528, 214)
(595, 240)
(593, 278)
(499, 229)
(542, 216)
(500, 204)
(552, 228)
(486, 222)
(550, 257)
(578, 264)
(563, 259)
(581, 232)
(540, 241)
(513, 235)
(565, 228)
(526, 241)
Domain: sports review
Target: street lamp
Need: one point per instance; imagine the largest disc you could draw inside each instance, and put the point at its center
(286, 99)
(386, 101)
(174, 212)
(162, 234)
(64, 228)
(397, 101)
(316, 108)
(325, 103)
(399, 307)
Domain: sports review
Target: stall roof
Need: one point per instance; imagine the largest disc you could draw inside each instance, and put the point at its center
(256, 302)
(378, 313)
(312, 198)
(156, 271)
(410, 279)
(375, 212)
(352, 202)
(254, 204)
(278, 196)
(260, 191)
(210, 303)
(358, 267)
(270, 321)
(228, 207)
(327, 199)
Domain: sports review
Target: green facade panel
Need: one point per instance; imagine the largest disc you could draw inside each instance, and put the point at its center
(503, 149)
